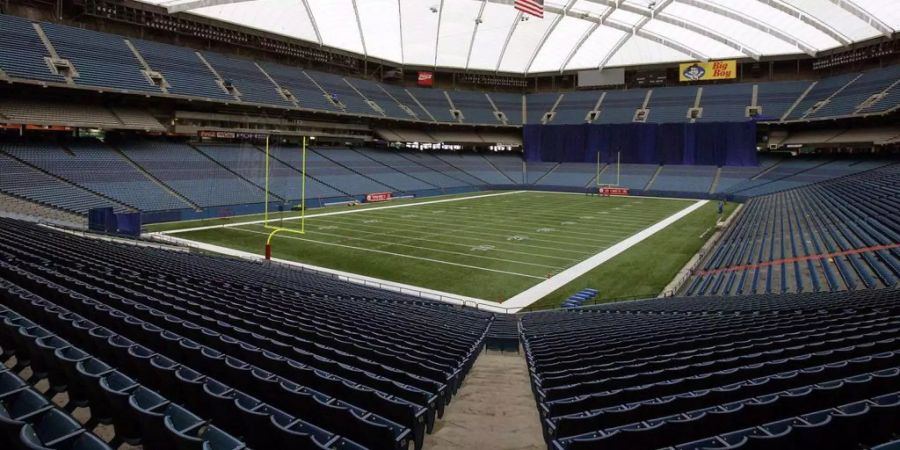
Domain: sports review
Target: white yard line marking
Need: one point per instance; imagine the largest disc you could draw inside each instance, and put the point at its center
(337, 213)
(400, 244)
(420, 258)
(565, 277)
(422, 237)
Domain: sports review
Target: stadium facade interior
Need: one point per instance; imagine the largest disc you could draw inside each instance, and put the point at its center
(449, 224)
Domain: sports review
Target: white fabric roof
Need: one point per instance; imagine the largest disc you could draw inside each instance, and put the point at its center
(490, 35)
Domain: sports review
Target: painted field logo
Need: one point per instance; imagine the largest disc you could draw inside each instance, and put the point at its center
(545, 230)
(517, 237)
(482, 248)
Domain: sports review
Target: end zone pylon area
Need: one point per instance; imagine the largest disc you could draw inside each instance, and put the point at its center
(302, 206)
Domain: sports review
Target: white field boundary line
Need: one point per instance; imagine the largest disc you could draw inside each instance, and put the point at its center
(539, 291)
(335, 213)
(512, 305)
(416, 291)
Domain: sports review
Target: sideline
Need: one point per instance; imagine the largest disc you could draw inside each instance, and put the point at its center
(334, 213)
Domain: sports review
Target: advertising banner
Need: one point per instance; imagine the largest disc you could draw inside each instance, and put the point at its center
(378, 197)
(713, 70)
(426, 79)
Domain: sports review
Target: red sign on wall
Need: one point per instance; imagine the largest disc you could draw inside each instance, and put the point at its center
(378, 197)
(426, 78)
(610, 191)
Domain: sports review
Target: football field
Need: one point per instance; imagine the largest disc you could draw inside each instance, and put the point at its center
(486, 245)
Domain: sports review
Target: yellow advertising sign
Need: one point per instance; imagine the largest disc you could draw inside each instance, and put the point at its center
(713, 70)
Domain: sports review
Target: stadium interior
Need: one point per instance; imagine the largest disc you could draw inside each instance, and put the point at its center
(449, 224)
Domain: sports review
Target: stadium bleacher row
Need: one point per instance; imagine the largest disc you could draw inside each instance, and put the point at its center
(840, 234)
(776, 372)
(166, 175)
(174, 352)
(110, 62)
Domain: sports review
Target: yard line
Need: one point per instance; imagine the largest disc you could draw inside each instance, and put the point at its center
(480, 238)
(442, 232)
(449, 252)
(581, 209)
(337, 213)
(401, 255)
(505, 232)
(596, 223)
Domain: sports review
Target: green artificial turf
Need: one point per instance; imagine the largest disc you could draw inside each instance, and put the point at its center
(489, 247)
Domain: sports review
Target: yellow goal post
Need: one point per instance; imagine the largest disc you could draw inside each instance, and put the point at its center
(302, 206)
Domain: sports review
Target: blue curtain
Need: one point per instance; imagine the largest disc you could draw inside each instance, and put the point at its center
(712, 143)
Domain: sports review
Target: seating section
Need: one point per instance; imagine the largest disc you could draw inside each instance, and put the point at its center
(671, 105)
(619, 106)
(789, 174)
(684, 179)
(101, 60)
(375, 93)
(434, 101)
(21, 51)
(632, 176)
(537, 105)
(307, 94)
(725, 102)
(247, 78)
(320, 167)
(26, 182)
(775, 372)
(836, 235)
(370, 168)
(276, 358)
(476, 166)
(99, 168)
(776, 98)
(475, 107)
(191, 173)
(510, 105)
(570, 174)
(184, 72)
(574, 107)
(821, 91)
(285, 182)
(343, 92)
(849, 100)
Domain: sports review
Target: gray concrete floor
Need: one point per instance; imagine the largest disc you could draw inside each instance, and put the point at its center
(493, 409)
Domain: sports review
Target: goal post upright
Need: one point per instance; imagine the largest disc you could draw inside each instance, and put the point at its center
(279, 229)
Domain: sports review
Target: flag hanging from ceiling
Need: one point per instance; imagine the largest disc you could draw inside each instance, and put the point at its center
(533, 7)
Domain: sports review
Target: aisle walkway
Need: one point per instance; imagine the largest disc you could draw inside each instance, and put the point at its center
(493, 410)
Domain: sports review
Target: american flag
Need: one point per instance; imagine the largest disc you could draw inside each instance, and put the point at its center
(533, 7)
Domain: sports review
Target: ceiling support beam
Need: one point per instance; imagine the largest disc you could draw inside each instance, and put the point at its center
(867, 17)
(585, 37)
(547, 34)
(362, 36)
(512, 29)
(475, 32)
(637, 29)
(807, 19)
(751, 22)
(312, 20)
(400, 30)
(437, 35)
(173, 7)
